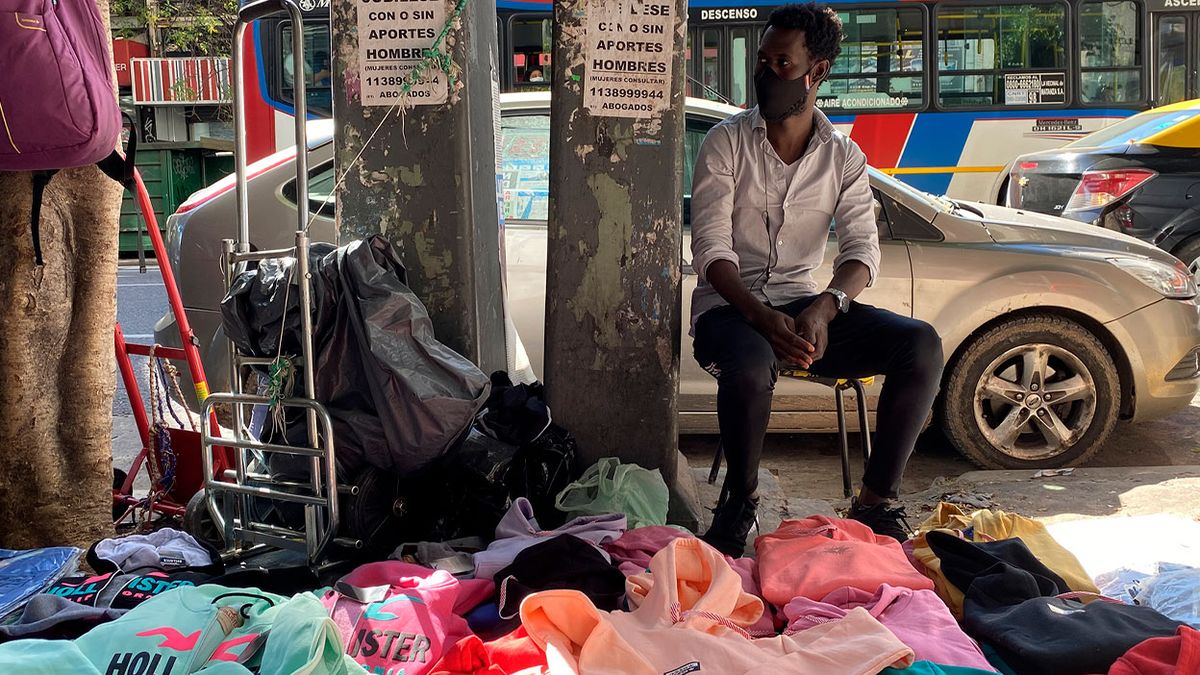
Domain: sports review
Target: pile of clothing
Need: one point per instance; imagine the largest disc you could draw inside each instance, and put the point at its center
(980, 592)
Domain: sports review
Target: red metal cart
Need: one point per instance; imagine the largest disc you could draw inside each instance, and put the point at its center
(189, 474)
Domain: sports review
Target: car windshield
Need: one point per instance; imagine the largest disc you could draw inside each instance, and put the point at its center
(1135, 128)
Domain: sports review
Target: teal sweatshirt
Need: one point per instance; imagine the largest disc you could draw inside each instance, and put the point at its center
(207, 629)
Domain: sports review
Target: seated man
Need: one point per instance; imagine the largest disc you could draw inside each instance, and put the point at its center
(767, 184)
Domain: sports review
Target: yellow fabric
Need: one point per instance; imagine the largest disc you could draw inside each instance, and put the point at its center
(795, 373)
(992, 525)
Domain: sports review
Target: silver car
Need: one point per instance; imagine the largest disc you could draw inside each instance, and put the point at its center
(1053, 331)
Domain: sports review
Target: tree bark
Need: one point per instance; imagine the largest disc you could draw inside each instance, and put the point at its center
(56, 358)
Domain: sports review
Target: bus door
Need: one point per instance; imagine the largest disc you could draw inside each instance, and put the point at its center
(721, 55)
(1175, 36)
(743, 57)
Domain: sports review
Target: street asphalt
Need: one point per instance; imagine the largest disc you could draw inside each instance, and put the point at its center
(141, 301)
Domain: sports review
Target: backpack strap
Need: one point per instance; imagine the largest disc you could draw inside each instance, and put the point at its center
(116, 166)
(40, 180)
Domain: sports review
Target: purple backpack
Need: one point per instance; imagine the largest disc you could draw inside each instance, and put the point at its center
(57, 108)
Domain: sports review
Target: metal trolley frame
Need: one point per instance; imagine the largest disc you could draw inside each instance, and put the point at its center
(229, 496)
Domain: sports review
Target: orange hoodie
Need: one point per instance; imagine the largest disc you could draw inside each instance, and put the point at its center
(692, 619)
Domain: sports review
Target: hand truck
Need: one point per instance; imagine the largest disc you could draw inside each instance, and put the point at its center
(230, 495)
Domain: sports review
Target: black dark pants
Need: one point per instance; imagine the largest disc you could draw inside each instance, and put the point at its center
(863, 342)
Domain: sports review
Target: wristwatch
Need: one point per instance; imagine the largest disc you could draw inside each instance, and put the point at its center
(843, 300)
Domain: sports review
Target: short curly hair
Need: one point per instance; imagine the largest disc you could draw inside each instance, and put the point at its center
(821, 26)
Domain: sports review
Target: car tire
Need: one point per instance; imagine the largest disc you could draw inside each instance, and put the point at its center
(1189, 253)
(1069, 362)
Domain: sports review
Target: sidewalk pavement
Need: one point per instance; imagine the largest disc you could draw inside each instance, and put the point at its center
(1083, 493)
(126, 444)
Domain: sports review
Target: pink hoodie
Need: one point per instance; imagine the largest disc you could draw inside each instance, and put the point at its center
(814, 556)
(400, 618)
(692, 619)
(918, 618)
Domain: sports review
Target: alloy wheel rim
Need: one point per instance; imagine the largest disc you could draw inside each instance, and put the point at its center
(1035, 401)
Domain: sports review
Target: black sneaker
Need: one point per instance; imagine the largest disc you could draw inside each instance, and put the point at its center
(883, 519)
(731, 525)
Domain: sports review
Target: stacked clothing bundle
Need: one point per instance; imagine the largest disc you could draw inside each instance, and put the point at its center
(1031, 604)
(973, 593)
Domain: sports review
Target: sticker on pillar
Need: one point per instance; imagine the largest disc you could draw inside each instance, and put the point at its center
(628, 57)
(393, 38)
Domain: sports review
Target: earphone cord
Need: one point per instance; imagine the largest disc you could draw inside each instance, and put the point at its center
(766, 214)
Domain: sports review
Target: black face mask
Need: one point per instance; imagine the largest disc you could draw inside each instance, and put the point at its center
(778, 98)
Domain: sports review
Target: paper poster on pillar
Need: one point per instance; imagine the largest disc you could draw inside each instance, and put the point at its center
(392, 38)
(627, 57)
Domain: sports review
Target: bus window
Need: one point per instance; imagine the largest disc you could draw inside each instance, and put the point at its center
(525, 163)
(1172, 38)
(693, 138)
(881, 64)
(710, 63)
(979, 46)
(694, 134)
(1110, 52)
(318, 66)
(531, 48)
(689, 86)
(739, 67)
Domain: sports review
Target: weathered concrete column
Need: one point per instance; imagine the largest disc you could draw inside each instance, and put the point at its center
(415, 141)
(613, 278)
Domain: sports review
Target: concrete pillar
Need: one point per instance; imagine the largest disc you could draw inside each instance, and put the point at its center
(418, 155)
(613, 269)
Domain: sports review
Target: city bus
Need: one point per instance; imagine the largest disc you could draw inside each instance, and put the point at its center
(940, 94)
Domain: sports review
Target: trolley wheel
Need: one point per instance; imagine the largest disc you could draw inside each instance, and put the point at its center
(376, 512)
(119, 477)
(198, 522)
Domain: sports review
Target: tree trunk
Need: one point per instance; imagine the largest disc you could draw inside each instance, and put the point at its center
(56, 358)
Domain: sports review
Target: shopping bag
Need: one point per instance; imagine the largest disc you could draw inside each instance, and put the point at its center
(612, 487)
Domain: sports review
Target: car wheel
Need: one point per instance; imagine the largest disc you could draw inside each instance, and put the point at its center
(1189, 253)
(1032, 393)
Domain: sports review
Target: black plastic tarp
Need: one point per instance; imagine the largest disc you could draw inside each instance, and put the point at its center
(398, 398)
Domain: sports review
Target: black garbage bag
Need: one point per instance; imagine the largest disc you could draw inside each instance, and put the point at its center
(514, 413)
(262, 300)
(398, 398)
(545, 463)
(466, 496)
(541, 469)
(462, 494)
